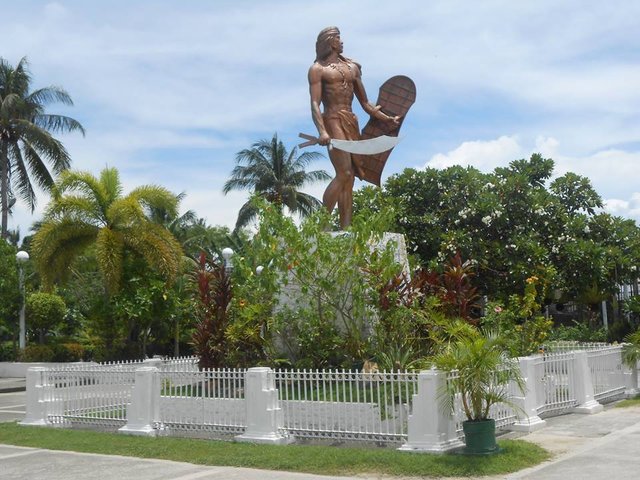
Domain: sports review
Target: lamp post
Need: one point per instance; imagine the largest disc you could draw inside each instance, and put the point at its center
(227, 253)
(22, 257)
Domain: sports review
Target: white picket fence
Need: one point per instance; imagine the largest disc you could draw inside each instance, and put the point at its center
(172, 397)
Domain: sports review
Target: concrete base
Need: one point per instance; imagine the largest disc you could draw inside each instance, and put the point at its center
(142, 431)
(267, 439)
(631, 393)
(528, 426)
(437, 448)
(588, 408)
(34, 423)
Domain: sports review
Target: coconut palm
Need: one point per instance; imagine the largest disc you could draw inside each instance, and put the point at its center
(26, 143)
(86, 211)
(276, 175)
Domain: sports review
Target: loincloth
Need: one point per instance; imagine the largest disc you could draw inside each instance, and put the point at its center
(349, 126)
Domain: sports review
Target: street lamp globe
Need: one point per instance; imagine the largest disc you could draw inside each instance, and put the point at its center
(227, 253)
(22, 256)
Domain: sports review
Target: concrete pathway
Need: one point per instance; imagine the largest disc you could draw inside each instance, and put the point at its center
(601, 446)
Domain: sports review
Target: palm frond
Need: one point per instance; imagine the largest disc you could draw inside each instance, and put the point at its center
(109, 254)
(110, 182)
(247, 212)
(155, 197)
(58, 123)
(158, 246)
(56, 243)
(19, 177)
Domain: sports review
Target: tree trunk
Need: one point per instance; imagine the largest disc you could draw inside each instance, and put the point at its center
(4, 187)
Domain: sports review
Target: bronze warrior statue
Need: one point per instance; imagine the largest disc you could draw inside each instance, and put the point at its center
(333, 81)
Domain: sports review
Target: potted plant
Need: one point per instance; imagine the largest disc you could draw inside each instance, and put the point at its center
(480, 372)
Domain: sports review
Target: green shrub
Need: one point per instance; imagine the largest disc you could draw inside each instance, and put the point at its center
(579, 332)
(45, 311)
(7, 351)
(68, 352)
(36, 353)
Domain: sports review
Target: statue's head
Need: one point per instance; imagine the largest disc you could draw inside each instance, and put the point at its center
(323, 44)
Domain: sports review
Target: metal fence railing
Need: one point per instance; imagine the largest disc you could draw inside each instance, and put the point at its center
(90, 395)
(309, 404)
(606, 369)
(207, 400)
(555, 386)
(346, 404)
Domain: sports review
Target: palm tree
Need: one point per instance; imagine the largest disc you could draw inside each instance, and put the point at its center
(26, 143)
(86, 210)
(276, 175)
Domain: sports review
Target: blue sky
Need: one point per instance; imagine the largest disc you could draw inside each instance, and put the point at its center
(169, 91)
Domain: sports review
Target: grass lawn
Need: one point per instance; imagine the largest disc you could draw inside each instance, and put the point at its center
(515, 455)
(630, 402)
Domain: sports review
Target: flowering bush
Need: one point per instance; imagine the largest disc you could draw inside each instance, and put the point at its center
(522, 330)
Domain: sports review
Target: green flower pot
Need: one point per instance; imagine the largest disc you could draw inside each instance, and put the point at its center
(480, 437)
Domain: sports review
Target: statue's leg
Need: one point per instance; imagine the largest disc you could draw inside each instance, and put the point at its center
(340, 189)
(342, 185)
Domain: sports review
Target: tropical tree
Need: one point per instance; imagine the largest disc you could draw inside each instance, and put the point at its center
(275, 175)
(88, 211)
(26, 141)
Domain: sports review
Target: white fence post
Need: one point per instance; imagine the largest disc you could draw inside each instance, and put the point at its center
(528, 419)
(430, 428)
(265, 421)
(36, 398)
(144, 410)
(584, 385)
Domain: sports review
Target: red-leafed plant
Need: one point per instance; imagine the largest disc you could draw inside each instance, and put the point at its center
(455, 289)
(212, 297)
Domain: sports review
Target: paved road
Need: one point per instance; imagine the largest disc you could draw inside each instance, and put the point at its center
(602, 446)
(12, 406)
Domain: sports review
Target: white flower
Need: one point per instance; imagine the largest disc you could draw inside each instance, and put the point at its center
(486, 220)
(587, 229)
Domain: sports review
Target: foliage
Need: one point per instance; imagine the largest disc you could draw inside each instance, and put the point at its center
(26, 141)
(579, 332)
(631, 307)
(86, 210)
(512, 225)
(331, 281)
(453, 287)
(213, 297)
(631, 349)
(274, 174)
(522, 330)
(44, 311)
(37, 353)
(9, 290)
(145, 307)
(481, 374)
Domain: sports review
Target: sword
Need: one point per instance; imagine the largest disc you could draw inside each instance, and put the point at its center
(370, 146)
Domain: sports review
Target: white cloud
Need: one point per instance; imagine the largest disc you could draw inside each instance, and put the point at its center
(625, 208)
(484, 155)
